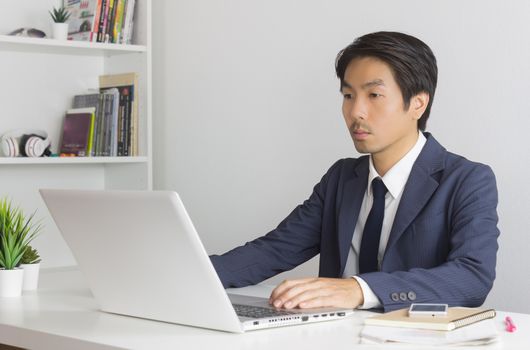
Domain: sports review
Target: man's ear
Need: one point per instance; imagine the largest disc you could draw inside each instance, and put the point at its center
(418, 104)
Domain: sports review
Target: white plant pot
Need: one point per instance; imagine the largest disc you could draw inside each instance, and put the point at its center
(60, 31)
(31, 276)
(11, 282)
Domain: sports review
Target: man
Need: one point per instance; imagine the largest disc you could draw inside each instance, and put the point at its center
(410, 222)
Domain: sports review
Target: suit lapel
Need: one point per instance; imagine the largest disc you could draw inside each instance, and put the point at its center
(419, 187)
(350, 205)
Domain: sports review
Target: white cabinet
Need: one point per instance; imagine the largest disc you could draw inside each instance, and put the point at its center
(38, 79)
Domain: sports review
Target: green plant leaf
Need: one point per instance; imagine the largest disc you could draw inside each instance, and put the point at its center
(31, 256)
(59, 15)
(16, 232)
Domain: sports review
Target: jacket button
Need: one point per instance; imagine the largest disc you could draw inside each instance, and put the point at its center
(412, 296)
(403, 296)
(394, 296)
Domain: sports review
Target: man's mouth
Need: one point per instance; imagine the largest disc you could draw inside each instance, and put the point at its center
(360, 134)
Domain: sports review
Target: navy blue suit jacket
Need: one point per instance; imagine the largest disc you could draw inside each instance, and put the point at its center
(442, 246)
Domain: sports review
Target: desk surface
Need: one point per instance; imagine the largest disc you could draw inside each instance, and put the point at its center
(62, 314)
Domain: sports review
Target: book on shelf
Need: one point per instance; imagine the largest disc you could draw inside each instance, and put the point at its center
(116, 29)
(456, 317)
(102, 20)
(109, 21)
(91, 99)
(111, 99)
(115, 105)
(78, 132)
(105, 119)
(83, 18)
(126, 118)
(112, 20)
(127, 22)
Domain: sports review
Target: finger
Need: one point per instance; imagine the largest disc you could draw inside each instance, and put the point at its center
(276, 298)
(283, 287)
(286, 298)
(280, 288)
(319, 301)
(339, 293)
(301, 298)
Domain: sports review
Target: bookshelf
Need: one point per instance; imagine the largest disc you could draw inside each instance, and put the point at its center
(52, 46)
(71, 160)
(39, 79)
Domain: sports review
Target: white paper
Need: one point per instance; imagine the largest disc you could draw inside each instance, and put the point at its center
(483, 332)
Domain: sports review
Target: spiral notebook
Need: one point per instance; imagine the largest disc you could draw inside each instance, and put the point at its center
(456, 317)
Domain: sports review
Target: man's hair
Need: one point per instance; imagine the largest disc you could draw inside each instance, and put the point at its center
(412, 63)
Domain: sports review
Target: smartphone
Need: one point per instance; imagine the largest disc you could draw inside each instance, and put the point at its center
(428, 310)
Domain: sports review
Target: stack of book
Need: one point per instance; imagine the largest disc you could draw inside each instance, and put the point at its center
(109, 21)
(113, 114)
(461, 326)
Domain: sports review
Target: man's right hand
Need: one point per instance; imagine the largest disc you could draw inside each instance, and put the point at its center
(317, 292)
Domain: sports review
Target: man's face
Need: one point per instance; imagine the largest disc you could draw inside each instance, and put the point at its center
(374, 112)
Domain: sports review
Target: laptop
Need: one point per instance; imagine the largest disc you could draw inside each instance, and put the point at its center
(141, 256)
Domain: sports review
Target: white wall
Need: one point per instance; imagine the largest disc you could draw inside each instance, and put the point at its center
(247, 109)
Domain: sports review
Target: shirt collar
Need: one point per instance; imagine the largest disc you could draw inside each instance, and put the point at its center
(396, 178)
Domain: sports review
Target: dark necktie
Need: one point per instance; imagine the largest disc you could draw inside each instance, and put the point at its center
(372, 229)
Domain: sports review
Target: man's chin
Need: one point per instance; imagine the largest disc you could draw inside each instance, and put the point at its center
(361, 147)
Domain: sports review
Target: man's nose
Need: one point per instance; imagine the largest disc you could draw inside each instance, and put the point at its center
(357, 109)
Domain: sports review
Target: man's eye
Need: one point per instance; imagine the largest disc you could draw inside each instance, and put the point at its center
(375, 95)
(347, 96)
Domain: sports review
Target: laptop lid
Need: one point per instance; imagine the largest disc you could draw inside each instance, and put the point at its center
(141, 256)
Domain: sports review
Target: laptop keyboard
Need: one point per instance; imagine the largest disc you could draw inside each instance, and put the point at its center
(259, 312)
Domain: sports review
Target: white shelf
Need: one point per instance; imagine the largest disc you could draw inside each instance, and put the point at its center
(44, 45)
(38, 79)
(70, 160)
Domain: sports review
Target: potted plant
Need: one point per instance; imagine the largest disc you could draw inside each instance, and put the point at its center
(60, 27)
(30, 262)
(16, 232)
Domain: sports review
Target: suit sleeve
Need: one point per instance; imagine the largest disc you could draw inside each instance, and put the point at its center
(467, 276)
(293, 242)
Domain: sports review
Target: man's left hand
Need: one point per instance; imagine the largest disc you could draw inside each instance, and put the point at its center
(317, 292)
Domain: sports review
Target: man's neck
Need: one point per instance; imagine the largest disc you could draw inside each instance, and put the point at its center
(386, 159)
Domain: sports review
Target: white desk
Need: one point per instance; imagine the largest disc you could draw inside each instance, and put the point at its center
(62, 314)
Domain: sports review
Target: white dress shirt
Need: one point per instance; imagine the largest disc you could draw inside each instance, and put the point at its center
(394, 180)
